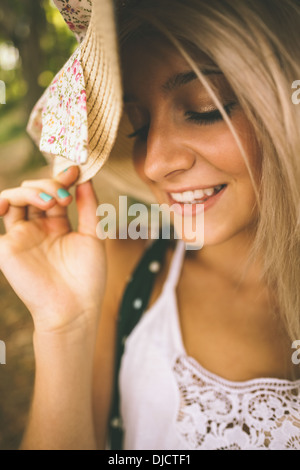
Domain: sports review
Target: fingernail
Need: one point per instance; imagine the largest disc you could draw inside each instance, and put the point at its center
(46, 197)
(69, 167)
(63, 193)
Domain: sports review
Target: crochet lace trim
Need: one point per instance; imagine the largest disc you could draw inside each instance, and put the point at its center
(216, 414)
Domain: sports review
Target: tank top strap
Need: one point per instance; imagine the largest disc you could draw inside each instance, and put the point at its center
(176, 265)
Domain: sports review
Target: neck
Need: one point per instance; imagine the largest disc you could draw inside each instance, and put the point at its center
(230, 259)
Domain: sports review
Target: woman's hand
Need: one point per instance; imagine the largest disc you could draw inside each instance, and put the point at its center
(59, 274)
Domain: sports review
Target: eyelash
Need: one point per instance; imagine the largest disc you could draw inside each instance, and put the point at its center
(204, 119)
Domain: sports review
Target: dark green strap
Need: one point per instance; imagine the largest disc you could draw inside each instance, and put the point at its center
(134, 303)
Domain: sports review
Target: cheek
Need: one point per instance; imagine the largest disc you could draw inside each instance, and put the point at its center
(226, 156)
(224, 153)
(139, 156)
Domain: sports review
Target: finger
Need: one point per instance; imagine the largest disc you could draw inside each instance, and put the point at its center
(22, 197)
(87, 204)
(4, 206)
(14, 215)
(19, 198)
(69, 176)
(64, 179)
(51, 187)
(61, 212)
(57, 188)
(39, 199)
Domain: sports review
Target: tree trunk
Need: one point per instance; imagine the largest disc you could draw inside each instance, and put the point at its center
(30, 52)
(22, 22)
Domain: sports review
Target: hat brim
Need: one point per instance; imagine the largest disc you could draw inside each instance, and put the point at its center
(118, 172)
(78, 118)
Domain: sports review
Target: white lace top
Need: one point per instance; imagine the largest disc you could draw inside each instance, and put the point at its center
(170, 402)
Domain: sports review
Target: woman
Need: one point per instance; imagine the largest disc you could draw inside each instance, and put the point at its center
(207, 88)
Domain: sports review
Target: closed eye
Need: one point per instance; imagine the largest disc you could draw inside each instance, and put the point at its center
(207, 118)
(141, 133)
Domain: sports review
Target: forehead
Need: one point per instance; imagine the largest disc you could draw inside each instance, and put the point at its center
(153, 57)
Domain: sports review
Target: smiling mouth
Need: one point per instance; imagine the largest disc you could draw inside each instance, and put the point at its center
(197, 196)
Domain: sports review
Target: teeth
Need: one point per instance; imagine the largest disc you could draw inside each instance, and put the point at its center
(198, 194)
(188, 196)
(209, 191)
(177, 197)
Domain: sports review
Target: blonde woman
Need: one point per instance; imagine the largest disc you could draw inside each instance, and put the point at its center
(207, 88)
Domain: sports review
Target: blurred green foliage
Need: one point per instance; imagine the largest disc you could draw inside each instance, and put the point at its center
(34, 45)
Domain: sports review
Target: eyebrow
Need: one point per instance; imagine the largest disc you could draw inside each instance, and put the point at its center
(178, 80)
(184, 78)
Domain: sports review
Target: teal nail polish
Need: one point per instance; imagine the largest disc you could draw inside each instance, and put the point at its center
(63, 193)
(66, 170)
(46, 197)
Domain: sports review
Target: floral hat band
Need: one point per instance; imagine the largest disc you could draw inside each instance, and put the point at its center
(78, 116)
(77, 14)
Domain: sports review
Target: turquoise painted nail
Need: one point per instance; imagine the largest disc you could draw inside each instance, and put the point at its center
(63, 193)
(66, 170)
(46, 197)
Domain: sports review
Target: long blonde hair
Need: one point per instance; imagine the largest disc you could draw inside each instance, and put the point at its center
(255, 43)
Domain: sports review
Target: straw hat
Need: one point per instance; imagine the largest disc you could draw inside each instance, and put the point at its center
(79, 119)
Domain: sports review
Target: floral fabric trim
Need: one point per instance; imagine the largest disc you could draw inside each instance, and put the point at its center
(58, 123)
(77, 14)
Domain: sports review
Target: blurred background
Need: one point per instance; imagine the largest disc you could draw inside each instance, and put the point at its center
(34, 44)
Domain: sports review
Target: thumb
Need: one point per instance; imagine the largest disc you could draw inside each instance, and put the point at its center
(87, 203)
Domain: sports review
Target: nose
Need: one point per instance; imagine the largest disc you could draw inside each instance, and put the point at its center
(167, 153)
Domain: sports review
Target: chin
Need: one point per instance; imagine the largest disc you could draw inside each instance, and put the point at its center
(206, 239)
(220, 235)
(212, 233)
